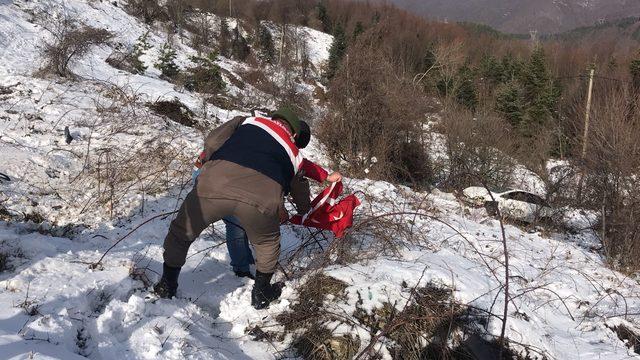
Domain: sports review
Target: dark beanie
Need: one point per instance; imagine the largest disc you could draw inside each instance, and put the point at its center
(304, 136)
(290, 117)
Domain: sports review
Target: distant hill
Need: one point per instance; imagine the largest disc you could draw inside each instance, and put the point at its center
(521, 16)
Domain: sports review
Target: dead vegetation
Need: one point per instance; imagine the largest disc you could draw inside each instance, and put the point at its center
(374, 125)
(427, 324)
(174, 110)
(610, 179)
(121, 160)
(478, 147)
(71, 41)
(4, 261)
(629, 335)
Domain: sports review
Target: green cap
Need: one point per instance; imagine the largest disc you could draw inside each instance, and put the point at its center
(290, 117)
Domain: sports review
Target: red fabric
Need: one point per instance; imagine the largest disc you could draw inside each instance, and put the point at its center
(201, 160)
(313, 171)
(329, 214)
(282, 131)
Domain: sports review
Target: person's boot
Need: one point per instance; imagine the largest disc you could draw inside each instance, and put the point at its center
(264, 292)
(243, 274)
(167, 287)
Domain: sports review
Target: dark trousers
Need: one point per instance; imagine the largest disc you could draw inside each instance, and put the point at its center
(197, 213)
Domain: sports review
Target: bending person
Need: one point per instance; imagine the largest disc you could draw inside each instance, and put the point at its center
(251, 163)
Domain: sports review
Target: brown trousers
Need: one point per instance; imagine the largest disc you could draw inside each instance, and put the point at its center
(197, 213)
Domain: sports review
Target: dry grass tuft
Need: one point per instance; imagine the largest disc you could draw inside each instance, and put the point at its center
(174, 110)
(4, 262)
(311, 297)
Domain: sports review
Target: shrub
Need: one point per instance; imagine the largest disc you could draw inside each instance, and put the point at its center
(166, 62)
(71, 41)
(478, 149)
(375, 116)
(239, 46)
(4, 262)
(611, 183)
(147, 10)
(265, 42)
(205, 76)
(174, 110)
(130, 60)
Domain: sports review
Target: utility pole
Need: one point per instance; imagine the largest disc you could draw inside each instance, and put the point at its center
(585, 136)
(587, 115)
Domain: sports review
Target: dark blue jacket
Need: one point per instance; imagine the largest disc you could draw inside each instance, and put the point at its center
(252, 147)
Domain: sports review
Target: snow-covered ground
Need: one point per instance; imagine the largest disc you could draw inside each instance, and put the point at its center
(62, 209)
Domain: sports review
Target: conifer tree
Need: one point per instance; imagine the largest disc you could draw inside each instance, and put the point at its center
(466, 93)
(166, 62)
(205, 76)
(239, 45)
(359, 29)
(511, 68)
(491, 70)
(539, 91)
(139, 48)
(336, 52)
(265, 42)
(509, 103)
(323, 16)
(224, 39)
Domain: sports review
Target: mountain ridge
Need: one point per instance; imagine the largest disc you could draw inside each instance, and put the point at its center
(519, 16)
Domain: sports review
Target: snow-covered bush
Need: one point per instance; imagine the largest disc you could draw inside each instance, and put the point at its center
(71, 41)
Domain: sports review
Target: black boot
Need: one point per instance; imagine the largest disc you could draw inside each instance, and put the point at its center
(242, 274)
(167, 287)
(264, 292)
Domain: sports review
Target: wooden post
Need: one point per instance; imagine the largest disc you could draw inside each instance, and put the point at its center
(585, 136)
(587, 115)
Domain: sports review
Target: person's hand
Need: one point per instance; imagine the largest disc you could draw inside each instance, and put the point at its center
(334, 177)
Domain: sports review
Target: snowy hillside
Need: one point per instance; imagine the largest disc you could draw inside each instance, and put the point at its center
(66, 203)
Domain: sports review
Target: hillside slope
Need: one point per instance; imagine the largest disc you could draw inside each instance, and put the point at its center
(521, 16)
(126, 170)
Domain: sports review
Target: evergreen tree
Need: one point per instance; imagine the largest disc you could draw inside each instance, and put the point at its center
(359, 29)
(205, 76)
(139, 48)
(466, 93)
(265, 42)
(511, 68)
(509, 103)
(336, 52)
(323, 16)
(376, 18)
(539, 91)
(166, 62)
(491, 70)
(634, 70)
(239, 45)
(224, 39)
